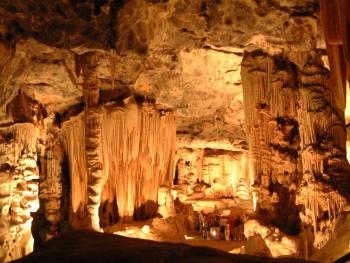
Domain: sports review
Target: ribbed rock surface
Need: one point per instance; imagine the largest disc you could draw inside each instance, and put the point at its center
(249, 92)
(137, 152)
(19, 189)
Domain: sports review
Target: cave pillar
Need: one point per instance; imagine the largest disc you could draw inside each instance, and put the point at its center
(323, 188)
(93, 118)
(269, 97)
(51, 177)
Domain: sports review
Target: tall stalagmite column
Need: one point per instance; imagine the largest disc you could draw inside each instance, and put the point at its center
(269, 95)
(51, 175)
(297, 136)
(93, 117)
(323, 189)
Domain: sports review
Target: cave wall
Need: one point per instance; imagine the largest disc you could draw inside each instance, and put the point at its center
(19, 188)
(297, 139)
(212, 174)
(60, 61)
(269, 92)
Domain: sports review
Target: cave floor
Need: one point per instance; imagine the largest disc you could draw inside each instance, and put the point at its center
(227, 246)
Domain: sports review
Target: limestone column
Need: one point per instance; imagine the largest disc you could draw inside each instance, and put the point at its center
(323, 138)
(270, 124)
(93, 116)
(51, 175)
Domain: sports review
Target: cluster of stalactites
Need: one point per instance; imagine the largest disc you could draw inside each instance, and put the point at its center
(226, 173)
(270, 97)
(278, 98)
(323, 155)
(321, 208)
(19, 189)
(73, 135)
(137, 148)
(267, 86)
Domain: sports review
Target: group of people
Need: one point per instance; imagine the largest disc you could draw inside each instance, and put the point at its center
(231, 228)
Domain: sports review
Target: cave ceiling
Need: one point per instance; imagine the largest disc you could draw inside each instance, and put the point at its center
(184, 55)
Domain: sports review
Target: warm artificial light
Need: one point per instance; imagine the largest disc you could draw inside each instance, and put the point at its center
(146, 229)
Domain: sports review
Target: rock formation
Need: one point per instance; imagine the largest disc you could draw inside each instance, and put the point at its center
(19, 188)
(117, 111)
(278, 244)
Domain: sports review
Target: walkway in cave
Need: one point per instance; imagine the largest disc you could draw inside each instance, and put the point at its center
(231, 246)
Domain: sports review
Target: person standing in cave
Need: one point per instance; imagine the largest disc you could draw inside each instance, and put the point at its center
(201, 222)
(223, 222)
(206, 226)
(196, 222)
(238, 228)
(216, 221)
(231, 222)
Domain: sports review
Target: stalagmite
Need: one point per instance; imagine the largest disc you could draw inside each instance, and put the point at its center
(51, 176)
(93, 115)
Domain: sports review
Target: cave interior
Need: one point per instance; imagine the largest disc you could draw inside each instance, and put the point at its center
(150, 118)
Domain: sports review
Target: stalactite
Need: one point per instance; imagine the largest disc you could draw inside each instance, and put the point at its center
(137, 153)
(269, 97)
(73, 136)
(19, 188)
(139, 160)
(323, 138)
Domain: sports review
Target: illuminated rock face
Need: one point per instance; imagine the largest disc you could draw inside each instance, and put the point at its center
(137, 148)
(236, 87)
(19, 189)
(278, 244)
(296, 139)
(269, 92)
(203, 173)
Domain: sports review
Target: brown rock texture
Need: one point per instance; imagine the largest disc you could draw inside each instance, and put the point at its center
(286, 106)
(137, 145)
(19, 189)
(108, 106)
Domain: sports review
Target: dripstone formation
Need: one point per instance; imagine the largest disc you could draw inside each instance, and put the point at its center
(123, 111)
